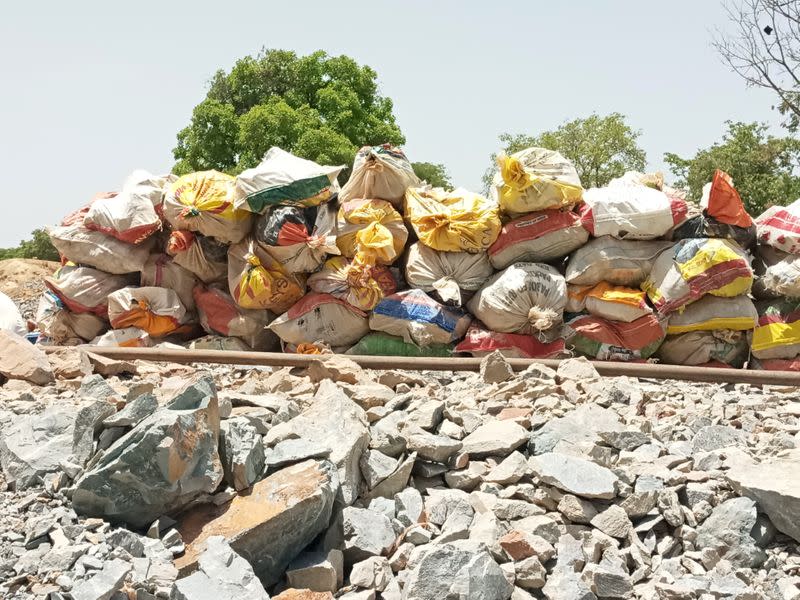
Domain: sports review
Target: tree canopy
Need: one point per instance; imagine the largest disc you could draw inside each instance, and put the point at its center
(763, 167)
(39, 246)
(319, 107)
(434, 174)
(601, 148)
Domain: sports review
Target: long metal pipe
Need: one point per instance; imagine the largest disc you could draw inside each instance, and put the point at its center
(277, 359)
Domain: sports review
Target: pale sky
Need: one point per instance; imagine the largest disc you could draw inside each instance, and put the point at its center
(93, 90)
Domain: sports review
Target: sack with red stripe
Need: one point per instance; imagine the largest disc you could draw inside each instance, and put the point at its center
(618, 262)
(85, 290)
(321, 318)
(627, 210)
(539, 236)
(614, 340)
(778, 331)
(95, 249)
(219, 314)
(129, 216)
(779, 227)
(694, 268)
(162, 271)
(64, 327)
(480, 341)
(298, 238)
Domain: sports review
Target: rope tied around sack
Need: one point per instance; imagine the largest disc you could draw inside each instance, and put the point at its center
(542, 318)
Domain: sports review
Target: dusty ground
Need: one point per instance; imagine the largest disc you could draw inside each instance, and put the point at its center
(22, 280)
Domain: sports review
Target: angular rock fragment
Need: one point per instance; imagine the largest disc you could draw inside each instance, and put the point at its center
(366, 533)
(19, 359)
(241, 453)
(495, 438)
(575, 475)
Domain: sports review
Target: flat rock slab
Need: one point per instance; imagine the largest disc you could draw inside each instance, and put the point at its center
(268, 525)
(19, 359)
(495, 438)
(575, 475)
(775, 486)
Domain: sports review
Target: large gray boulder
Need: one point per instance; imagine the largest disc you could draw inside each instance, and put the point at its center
(161, 465)
(728, 529)
(775, 486)
(33, 446)
(336, 422)
(270, 524)
(241, 452)
(19, 359)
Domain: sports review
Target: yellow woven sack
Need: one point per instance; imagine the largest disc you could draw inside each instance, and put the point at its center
(536, 179)
(457, 221)
(370, 227)
(257, 281)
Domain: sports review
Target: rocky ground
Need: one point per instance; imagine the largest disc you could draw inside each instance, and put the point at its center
(121, 482)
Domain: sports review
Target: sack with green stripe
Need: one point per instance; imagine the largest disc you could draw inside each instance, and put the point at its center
(287, 180)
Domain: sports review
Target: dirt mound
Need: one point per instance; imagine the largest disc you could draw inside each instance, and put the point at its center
(22, 280)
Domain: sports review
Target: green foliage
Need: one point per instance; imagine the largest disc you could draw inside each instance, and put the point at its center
(434, 174)
(39, 246)
(763, 167)
(319, 107)
(601, 148)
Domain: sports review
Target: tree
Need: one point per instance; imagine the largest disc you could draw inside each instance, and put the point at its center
(39, 246)
(765, 49)
(763, 167)
(319, 107)
(601, 148)
(434, 174)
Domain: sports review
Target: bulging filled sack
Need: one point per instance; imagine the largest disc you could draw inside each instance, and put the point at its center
(710, 313)
(371, 227)
(203, 256)
(445, 274)
(203, 202)
(777, 273)
(157, 311)
(702, 226)
(162, 271)
(538, 237)
(358, 283)
(256, 280)
(708, 348)
(480, 341)
(129, 337)
(380, 172)
(612, 302)
(129, 216)
(96, 249)
(298, 238)
(694, 268)
(419, 319)
(627, 210)
(779, 227)
(457, 221)
(536, 179)
(219, 314)
(321, 318)
(285, 179)
(778, 331)
(601, 339)
(85, 290)
(526, 298)
(619, 262)
(383, 344)
(63, 327)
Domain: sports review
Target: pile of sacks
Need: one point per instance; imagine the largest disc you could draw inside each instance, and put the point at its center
(281, 257)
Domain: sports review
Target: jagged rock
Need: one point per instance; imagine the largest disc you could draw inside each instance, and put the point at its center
(607, 583)
(134, 412)
(162, 464)
(512, 468)
(241, 453)
(576, 509)
(580, 426)
(376, 466)
(519, 545)
(103, 585)
(336, 422)
(530, 573)
(95, 386)
(432, 577)
(566, 585)
(317, 571)
(613, 521)
(428, 446)
(625, 440)
(335, 368)
(32, 446)
(369, 394)
(88, 423)
(108, 367)
(68, 362)
(728, 531)
(775, 486)
(575, 475)
(467, 479)
(294, 450)
(271, 524)
(19, 359)
(366, 533)
(576, 369)
(295, 594)
(495, 368)
(713, 437)
(408, 506)
(452, 511)
(395, 482)
(495, 438)
(481, 579)
(372, 573)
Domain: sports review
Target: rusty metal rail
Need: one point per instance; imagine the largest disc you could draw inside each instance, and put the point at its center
(276, 359)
